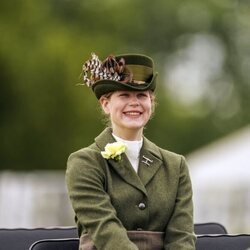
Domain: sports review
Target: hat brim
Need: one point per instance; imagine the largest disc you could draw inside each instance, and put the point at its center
(103, 87)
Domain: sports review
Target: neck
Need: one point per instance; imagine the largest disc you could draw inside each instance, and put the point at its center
(128, 134)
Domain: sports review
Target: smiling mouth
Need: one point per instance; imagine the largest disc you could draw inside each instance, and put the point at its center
(133, 113)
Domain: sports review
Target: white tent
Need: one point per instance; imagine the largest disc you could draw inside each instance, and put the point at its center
(220, 174)
(34, 199)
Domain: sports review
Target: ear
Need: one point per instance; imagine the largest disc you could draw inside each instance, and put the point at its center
(104, 102)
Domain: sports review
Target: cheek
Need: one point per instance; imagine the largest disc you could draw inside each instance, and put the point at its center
(114, 113)
(149, 107)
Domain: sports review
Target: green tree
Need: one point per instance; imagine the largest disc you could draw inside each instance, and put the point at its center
(45, 115)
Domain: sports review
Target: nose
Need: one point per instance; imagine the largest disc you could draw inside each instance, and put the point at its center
(134, 101)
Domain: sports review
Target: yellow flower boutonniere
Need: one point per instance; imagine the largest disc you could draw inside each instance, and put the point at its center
(114, 150)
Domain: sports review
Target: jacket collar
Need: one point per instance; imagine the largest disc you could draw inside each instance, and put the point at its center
(149, 163)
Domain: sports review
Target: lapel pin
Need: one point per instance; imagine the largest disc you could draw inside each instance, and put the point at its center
(146, 160)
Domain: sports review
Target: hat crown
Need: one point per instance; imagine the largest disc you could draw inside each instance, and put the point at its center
(141, 67)
(137, 59)
(121, 72)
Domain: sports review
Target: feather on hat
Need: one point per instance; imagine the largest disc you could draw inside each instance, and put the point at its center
(132, 72)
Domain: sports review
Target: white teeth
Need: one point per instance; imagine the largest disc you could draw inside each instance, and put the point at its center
(132, 113)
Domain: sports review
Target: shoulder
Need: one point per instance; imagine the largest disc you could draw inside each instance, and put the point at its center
(173, 163)
(85, 159)
(172, 157)
(84, 153)
(89, 159)
(164, 154)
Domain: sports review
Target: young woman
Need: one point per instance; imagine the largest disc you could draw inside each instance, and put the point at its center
(128, 193)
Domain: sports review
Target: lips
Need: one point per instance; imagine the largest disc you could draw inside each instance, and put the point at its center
(132, 113)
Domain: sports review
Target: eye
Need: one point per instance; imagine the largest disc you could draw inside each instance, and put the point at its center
(124, 94)
(142, 95)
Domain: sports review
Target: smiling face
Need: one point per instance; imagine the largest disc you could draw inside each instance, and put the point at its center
(129, 112)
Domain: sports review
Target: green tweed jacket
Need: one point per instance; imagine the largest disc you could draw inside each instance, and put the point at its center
(109, 197)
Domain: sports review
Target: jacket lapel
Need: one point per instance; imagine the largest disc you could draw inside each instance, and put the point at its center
(126, 171)
(150, 161)
(123, 167)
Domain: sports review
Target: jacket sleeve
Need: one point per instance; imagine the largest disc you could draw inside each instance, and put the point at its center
(85, 179)
(180, 229)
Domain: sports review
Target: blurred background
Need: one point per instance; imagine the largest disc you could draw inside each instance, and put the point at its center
(201, 50)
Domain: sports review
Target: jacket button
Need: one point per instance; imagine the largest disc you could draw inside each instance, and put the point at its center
(142, 206)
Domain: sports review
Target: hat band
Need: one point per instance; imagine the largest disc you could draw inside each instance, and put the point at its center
(141, 73)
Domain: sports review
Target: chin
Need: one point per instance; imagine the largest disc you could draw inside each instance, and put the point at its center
(135, 126)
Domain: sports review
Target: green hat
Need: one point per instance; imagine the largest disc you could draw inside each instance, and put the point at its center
(132, 72)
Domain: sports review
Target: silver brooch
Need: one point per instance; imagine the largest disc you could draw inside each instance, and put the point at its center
(146, 160)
